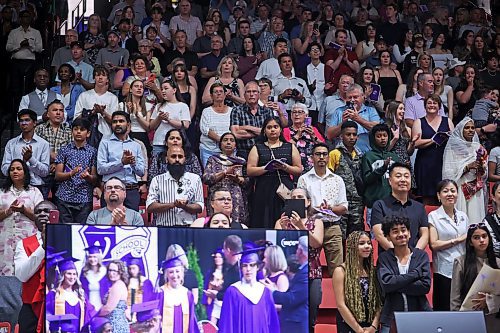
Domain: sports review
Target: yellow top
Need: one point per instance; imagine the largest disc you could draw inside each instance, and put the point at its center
(334, 162)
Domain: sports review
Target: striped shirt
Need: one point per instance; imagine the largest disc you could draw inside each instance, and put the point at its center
(165, 189)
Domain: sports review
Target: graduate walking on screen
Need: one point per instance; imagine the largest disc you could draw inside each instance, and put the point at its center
(248, 306)
(176, 301)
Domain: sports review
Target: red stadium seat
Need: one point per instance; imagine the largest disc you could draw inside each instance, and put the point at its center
(5, 327)
(208, 326)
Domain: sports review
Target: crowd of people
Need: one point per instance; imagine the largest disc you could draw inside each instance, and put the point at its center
(217, 114)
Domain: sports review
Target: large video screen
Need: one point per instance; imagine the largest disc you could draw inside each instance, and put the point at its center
(154, 279)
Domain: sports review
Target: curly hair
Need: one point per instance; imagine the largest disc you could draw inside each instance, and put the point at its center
(121, 270)
(352, 290)
(77, 287)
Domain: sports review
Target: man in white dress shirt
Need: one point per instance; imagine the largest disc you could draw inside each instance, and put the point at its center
(23, 43)
(289, 88)
(328, 195)
(28, 258)
(270, 68)
(38, 99)
(316, 79)
(176, 196)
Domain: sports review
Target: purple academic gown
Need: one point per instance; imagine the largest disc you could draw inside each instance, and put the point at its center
(178, 325)
(73, 325)
(104, 285)
(239, 315)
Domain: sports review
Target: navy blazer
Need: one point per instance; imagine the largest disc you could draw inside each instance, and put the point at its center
(295, 301)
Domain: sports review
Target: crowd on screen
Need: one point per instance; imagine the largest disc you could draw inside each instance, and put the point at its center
(380, 115)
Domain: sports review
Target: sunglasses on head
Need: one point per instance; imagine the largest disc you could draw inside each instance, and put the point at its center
(475, 226)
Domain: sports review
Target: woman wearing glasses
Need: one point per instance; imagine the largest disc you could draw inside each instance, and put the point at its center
(116, 300)
(447, 230)
(302, 134)
(221, 202)
(225, 170)
(478, 252)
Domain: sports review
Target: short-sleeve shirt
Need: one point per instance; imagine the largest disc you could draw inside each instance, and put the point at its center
(413, 210)
(241, 116)
(103, 216)
(176, 111)
(76, 189)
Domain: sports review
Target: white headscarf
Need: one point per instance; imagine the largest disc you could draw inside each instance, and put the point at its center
(459, 152)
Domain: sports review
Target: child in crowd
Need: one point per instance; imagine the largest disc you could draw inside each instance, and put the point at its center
(374, 166)
(76, 171)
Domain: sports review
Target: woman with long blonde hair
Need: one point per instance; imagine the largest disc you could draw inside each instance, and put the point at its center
(355, 286)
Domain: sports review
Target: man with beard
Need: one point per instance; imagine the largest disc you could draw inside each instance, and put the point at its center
(121, 157)
(176, 196)
(115, 212)
(28, 259)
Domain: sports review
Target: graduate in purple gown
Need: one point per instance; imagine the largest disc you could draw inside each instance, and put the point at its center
(176, 301)
(94, 279)
(69, 298)
(100, 325)
(148, 317)
(248, 306)
(140, 289)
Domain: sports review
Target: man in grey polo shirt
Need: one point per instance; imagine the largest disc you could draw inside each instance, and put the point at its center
(113, 57)
(115, 213)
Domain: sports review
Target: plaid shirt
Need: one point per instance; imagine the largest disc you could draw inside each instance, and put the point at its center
(56, 139)
(241, 116)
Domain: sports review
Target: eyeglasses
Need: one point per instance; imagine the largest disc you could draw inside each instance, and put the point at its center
(42, 210)
(179, 189)
(475, 226)
(223, 199)
(314, 49)
(321, 154)
(115, 187)
(298, 112)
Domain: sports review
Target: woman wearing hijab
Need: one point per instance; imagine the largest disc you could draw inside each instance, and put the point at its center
(465, 162)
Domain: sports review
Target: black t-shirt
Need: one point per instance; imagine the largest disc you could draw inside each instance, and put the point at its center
(491, 81)
(189, 57)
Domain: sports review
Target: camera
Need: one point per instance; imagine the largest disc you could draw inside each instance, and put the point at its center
(295, 92)
(349, 105)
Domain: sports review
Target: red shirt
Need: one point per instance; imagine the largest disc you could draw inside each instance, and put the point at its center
(334, 76)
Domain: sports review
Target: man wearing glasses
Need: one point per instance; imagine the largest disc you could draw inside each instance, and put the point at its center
(203, 45)
(28, 146)
(328, 197)
(115, 213)
(120, 156)
(176, 196)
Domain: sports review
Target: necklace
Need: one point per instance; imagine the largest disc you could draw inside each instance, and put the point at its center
(494, 73)
(15, 191)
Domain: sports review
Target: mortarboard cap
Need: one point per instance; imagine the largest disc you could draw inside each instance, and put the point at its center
(219, 251)
(67, 264)
(172, 262)
(146, 310)
(94, 249)
(97, 323)
(55, 258)
(133, 261)
(60, 319)
(250, 255)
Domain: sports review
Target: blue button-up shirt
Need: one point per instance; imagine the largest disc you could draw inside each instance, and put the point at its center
(76, 189)
(327, 110)
(368, 113)
(109, 160)
(39, 161)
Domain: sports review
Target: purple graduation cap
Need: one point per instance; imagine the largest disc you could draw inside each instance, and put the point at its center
(94, 249)
(250, 255)
(97, 323)
(172, 262)
(52, 260)
(133, 261)
(67, 264)
(60, 320)
(219, 251)
(146, 310)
